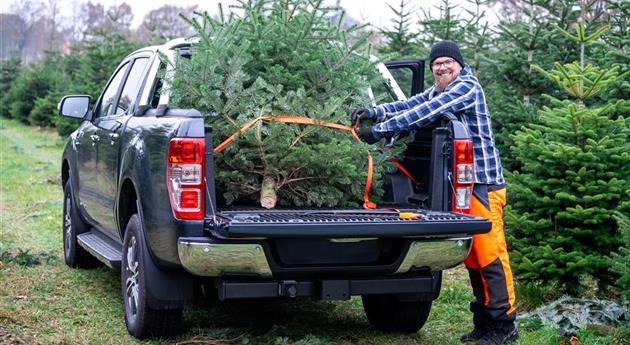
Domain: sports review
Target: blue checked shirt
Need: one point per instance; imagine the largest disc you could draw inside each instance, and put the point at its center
(465, 99)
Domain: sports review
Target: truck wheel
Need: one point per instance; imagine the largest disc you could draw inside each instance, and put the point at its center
(72, 225)
(142, 321)
(388, 313)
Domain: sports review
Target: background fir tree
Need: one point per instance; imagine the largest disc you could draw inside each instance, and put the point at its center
(573, 178)
(9, 70)
(31, 84)
(55, 69)
(620, 262)
(401, 40)
(281, 58)
(514, 89)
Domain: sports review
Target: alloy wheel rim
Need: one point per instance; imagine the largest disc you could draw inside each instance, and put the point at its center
(131, 283)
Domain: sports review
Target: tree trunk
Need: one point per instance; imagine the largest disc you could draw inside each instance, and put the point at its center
(268, 197)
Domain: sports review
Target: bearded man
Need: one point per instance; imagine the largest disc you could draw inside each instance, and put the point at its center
(457, 92)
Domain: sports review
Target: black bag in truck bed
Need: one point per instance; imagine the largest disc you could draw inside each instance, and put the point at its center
(330, 223)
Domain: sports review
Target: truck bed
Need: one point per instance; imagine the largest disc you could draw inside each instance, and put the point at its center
(241, 222)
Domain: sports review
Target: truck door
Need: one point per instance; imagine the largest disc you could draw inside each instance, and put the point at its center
(404, 79)
(110, 129)
(90, 191)
(86, 167)
(408, 74)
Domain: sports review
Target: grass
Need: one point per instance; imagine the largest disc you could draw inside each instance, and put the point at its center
(42, 301)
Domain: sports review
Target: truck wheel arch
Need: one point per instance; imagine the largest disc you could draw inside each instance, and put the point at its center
(127, 204)
(65, 172)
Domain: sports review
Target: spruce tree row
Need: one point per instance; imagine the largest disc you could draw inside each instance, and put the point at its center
(556, 79)
(555, 76)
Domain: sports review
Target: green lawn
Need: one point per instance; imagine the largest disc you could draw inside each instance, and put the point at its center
(42, 301)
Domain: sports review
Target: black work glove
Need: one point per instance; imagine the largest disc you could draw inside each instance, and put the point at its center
(369, 135)
(361, 114)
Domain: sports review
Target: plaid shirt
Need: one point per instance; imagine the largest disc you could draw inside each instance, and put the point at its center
(465, 99)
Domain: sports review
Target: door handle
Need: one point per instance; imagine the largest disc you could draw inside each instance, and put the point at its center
(112, 138)
(95, 139)
(77, 140)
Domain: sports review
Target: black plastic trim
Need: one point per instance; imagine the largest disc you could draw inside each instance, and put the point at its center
(417, 68)
(410, 229)
(416, 287)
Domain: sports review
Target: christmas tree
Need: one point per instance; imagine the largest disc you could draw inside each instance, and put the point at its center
(620, 262)
(513, 88)
(573, 177)
(287, 58)
(401, 41)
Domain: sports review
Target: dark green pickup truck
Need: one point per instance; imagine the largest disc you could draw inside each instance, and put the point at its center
(139, 196)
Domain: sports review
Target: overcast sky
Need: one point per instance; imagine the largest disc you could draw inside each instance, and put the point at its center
(375, 12)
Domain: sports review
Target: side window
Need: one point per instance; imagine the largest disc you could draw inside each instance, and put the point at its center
(132, 86)
(157, 88)
(383, 92)
(404, 78)
(109, 95)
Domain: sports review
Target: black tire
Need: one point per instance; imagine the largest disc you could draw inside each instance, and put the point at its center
(72, 225)
(389, 314)
(142, 321)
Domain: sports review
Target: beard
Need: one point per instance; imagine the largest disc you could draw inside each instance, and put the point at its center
(442, 81)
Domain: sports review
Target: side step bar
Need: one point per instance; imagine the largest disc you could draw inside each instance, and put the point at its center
(102, 247)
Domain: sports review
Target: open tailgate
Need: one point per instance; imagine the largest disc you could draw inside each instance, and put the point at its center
(346, 223)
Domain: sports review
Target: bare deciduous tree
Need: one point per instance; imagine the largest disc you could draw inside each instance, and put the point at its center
(164, 23)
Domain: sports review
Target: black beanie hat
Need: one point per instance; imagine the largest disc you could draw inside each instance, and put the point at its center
(446, 48)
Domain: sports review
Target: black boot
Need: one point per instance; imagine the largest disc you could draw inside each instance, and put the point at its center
(477, 333)
(481, 328)
(501, 334)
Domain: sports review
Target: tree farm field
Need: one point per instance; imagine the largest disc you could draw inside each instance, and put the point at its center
(42, 301)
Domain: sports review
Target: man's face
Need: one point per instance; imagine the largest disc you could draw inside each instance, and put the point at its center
(445, 70)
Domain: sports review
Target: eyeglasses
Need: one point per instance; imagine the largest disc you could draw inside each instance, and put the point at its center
(447, 64)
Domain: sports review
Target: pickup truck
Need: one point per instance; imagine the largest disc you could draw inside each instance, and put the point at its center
(139, 196)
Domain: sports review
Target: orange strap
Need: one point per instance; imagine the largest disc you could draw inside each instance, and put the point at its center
(309, 121)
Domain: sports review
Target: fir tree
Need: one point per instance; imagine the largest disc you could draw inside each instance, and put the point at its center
(9, 70)
(54, 68)
(281, 58)
(444, 26)
(573, 178)
(31, 84)
(401, 41)
(620, 262)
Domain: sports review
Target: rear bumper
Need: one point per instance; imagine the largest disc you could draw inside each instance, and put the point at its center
(202, 256)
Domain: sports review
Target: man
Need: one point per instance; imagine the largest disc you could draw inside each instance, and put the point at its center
(457, 91)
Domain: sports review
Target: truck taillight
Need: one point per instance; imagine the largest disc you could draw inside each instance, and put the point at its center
(464, 175)
(184, 177)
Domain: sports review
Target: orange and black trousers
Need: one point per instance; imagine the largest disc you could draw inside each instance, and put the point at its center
(488, 261)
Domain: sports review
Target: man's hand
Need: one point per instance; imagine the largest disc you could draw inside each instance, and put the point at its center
(361, 114)
(369, 135)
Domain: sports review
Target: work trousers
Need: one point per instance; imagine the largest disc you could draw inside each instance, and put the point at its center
(488, 261)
